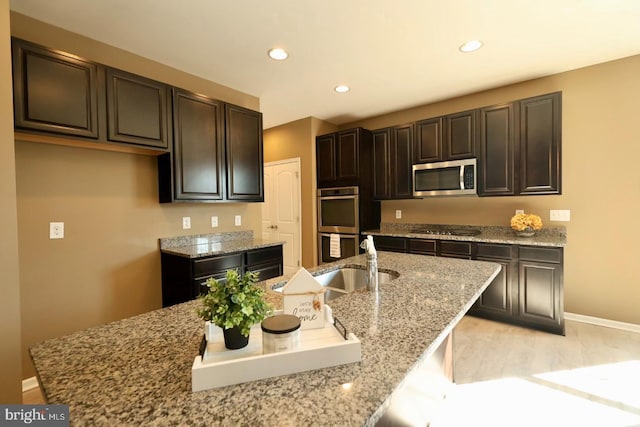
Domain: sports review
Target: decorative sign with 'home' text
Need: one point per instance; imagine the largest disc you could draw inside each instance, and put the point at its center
(304, 298)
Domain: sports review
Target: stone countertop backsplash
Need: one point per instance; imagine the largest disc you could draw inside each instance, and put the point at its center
(137, 371)
(203, 245)
(547, 236)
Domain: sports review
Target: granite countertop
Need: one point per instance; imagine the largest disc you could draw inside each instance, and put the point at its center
(137, 371)
(203, 245)
(548, 236)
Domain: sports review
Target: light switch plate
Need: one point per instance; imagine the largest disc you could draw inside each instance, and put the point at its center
(214, 221)
(398, 214)
(238, 220)
(519, 211)
(560, 215)
(186, 222)
(56, 230)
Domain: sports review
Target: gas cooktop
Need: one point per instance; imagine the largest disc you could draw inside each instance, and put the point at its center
(447, 232)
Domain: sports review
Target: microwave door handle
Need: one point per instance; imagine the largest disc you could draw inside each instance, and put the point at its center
(462, 177)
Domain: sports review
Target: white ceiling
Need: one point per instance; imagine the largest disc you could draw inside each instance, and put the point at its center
(394, 54)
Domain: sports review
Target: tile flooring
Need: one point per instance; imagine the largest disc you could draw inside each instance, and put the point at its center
(510, 376)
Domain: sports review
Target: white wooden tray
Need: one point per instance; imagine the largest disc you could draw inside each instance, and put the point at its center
(319, 348)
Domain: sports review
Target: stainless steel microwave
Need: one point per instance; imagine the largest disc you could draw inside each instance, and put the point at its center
(453, 178)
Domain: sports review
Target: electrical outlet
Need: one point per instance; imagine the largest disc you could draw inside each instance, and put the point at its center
(214, 221)
(186, 222)
(398, 214)
(519, 211)
(238, 220)
(56, 230)
(560, 215)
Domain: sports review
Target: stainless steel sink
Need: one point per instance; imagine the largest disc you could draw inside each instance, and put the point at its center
(345, 280)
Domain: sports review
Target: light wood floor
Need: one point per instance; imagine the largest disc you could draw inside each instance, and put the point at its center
(511, 376)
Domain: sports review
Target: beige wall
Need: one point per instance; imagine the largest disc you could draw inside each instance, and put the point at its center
(600, 149)
(108, 265)
(10, 361)
(297, 139)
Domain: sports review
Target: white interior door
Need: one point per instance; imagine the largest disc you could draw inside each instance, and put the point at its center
(281, 209)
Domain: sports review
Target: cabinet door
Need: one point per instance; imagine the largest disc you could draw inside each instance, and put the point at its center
(245, 173)
(460, 135)
(198, 147)
(347, 157)
(137, 110)
(497, 151)
(326, 159)
(540, 296)
(428, 141)
(496, 302)
(540, 140)
(401, 162)
(381, 164)
(54, 91)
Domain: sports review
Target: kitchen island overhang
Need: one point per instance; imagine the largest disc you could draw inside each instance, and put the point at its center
(138, 370)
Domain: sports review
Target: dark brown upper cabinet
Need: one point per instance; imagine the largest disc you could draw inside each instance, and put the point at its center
(326, 159)
(496, 173)
(428, 141)
(137, 110)
(445, 138)
(540, 144)
(198, 150)
(401, 155)
(382, 164)
(392, 160)
(217, 152)
(54, 91)
(75, 100)
(520, 147)
(340, 157)
(459, 141)
(245, 174)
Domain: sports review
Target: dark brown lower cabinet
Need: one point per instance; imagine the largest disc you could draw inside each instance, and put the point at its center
(183, 279)
(267, 262)
(529, 289)
(453, 249)
(423, 247)
(540, 289)
(496, 301)
(391, 244)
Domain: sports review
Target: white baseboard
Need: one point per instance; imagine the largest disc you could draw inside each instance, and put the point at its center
(29, 384)
(631, 327)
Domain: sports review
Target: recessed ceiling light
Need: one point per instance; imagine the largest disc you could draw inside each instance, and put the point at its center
(278, 54)
(471, 46)
(342, 88)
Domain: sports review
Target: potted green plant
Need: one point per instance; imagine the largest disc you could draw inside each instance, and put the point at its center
(234, 305)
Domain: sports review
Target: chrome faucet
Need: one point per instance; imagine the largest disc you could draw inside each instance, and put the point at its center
(372, 263)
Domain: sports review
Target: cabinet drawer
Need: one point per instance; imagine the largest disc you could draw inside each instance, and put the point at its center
(422, 246)
(266, 271)
(495, 251)
(456, 248)
(199, 286)
(533, 253)
(393, 244)
(205, 266)
(262, 255)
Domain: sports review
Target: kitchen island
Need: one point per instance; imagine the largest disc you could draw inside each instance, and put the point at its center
(137, 371)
